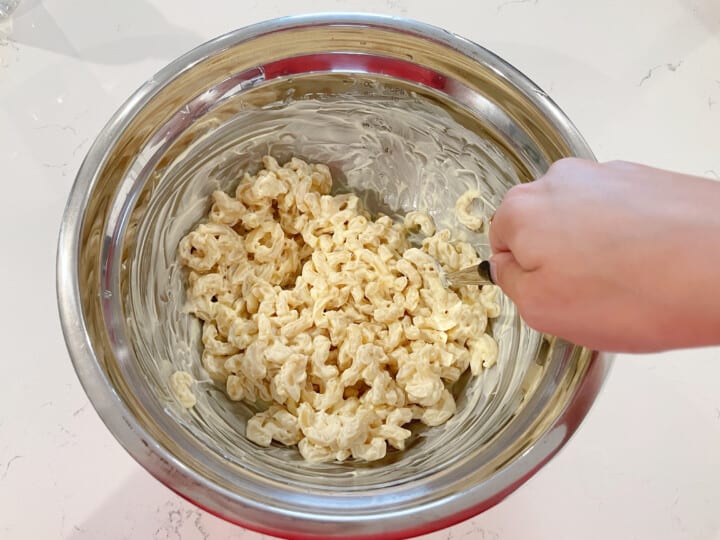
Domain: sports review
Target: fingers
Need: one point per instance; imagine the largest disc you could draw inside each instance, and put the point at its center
(499, 231)
(507, 273)
(496, 235)
(512, 214)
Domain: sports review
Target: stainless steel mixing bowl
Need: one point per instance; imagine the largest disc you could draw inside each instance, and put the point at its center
(407, 115)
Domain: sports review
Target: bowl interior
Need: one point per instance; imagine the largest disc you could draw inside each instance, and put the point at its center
(395, 144)
(405, 120)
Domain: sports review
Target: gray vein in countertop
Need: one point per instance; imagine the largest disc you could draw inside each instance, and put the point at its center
(79, 115)
(508, 2)
(79, 146)
(172, 527)
(177, 521)
(396, 5)
(473, 532)
(681, 523)
(8, 465)
(76, 149)
(711, 102)
(668, 65)
(67, 432)
(676, 499)
(81, 409)
(71, 437)
(199, 526)
(62, 166)
(61, 127)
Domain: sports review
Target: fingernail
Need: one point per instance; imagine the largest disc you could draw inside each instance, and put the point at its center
(493, 270)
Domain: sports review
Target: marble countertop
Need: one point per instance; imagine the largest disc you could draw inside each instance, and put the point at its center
(640, 79)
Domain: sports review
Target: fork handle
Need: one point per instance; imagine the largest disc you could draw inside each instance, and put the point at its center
(478, 274)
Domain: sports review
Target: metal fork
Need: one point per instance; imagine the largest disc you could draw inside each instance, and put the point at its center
(478, 274)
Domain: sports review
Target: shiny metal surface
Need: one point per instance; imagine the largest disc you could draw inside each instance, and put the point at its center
(409, 116)
(478, 274)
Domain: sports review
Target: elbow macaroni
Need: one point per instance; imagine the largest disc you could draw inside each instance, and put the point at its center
(180, 383)
(330, 318)
(462, 210)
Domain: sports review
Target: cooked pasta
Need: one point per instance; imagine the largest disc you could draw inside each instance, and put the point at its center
(180, 383)
(462, 210)
(329, 320)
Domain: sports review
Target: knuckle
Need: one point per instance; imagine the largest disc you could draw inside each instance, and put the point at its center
(569, 167)
(516, 212)
(507, 229)
(494, 238)
(565, 170)
(620, 164)
(508, 215)
(565, 164)
(515, 200)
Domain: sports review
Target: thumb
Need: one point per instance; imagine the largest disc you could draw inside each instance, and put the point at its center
(507, 273)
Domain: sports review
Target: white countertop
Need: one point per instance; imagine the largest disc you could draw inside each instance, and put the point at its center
(640, 79)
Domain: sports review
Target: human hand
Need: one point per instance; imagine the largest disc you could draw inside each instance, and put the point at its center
(613, 256)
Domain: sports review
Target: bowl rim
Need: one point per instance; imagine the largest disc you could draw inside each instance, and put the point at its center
(112, 409)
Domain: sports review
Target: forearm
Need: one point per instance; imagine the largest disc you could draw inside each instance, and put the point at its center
(693, 268)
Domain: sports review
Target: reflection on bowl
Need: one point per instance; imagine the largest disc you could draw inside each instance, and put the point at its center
(407, 116)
